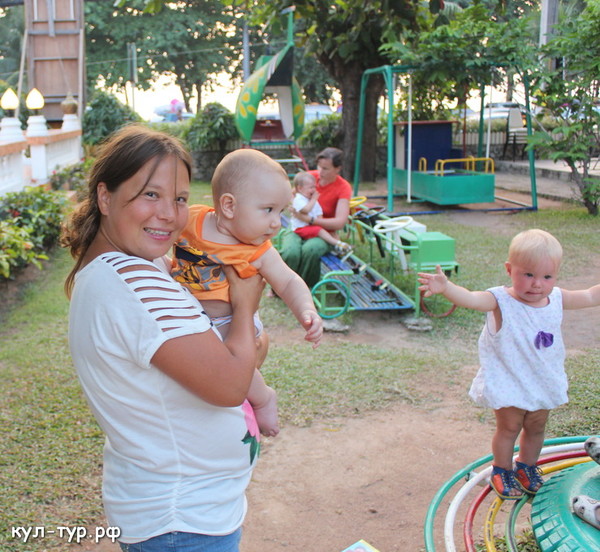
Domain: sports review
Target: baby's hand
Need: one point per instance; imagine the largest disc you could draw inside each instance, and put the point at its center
(315, 195)
(433, 283)
(313, 325)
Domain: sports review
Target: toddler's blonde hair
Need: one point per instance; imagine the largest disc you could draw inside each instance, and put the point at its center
(533, 246)
(302, 178)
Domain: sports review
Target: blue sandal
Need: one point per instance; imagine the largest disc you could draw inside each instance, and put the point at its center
(503, 482)
(529, 477)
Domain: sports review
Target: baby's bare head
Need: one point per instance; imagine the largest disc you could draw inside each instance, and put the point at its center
(304, 181)
(243, 171)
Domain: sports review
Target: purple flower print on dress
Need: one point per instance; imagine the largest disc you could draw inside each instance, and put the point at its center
(543, 339)
(252, 436)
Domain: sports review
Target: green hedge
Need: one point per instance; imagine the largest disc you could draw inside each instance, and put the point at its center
(30, 223)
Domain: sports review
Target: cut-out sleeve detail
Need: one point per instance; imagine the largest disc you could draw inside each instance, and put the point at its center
(170, 305)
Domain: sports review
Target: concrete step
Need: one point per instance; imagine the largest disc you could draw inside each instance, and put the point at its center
(544, 168)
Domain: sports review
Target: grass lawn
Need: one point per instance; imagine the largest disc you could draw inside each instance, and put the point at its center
(50, 447)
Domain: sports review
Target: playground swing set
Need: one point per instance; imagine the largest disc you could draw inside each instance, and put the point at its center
(455, 180)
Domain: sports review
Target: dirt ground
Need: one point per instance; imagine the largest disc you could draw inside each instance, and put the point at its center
(324, 487)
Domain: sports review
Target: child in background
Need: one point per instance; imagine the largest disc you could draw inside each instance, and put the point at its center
(306, 202)
(521, 353)
(250, 191)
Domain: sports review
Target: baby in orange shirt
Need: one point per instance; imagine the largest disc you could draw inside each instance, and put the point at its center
(250, 191)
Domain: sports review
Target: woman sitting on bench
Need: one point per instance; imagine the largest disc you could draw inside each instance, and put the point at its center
(304, 256)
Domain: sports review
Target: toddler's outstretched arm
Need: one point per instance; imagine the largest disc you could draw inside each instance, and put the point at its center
(294, 292)
(581, 298)
(439, 283)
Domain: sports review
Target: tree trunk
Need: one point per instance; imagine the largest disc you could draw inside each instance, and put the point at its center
(350, 115)
(186, 92)
(348, 77)
(185, 96)
(510, 85)
(590, 200)
(198, 87)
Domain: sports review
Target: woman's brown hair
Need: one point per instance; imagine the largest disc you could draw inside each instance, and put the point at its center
(334, 154)
(123, 154)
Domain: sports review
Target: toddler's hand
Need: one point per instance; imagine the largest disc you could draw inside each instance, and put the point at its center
(432, 283)
(313, 325)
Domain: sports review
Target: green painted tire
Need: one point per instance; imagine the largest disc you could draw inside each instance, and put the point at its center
(326, 290)
(555, 526)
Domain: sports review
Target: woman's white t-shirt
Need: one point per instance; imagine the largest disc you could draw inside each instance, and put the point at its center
(172, 462)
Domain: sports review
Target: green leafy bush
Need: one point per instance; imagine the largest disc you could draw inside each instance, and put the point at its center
(16, 249)
(322, 133)
(177, 129)
(546, 121)
(104, 115)
(498, 125)
(211, 128)
(38, 210)
(73, 178)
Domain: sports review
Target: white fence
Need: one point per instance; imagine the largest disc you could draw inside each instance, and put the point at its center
(32, 160)
(496, 138)
(12, 166)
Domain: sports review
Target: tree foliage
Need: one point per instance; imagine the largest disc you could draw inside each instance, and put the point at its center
(191, 41)
(11, 35)
(105, 115)
(450, 61)
(346, 38)
(569, 91)
(316, 84)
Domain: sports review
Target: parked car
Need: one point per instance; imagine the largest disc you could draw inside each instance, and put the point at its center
(497, 110)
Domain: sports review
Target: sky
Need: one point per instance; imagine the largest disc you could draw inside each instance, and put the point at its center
(224, 93)
(145, 101)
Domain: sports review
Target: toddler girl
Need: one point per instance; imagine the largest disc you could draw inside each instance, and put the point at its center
(521, 353)
(250, 191)
(306, 202)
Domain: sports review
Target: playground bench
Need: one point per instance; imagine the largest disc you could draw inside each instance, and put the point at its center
(350, 283)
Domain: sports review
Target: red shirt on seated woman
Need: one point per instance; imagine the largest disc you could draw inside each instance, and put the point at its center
(304, 256)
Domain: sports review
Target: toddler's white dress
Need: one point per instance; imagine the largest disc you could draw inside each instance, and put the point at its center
(522, 364)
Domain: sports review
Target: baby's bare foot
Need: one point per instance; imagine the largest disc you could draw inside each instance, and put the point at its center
(267, 415)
